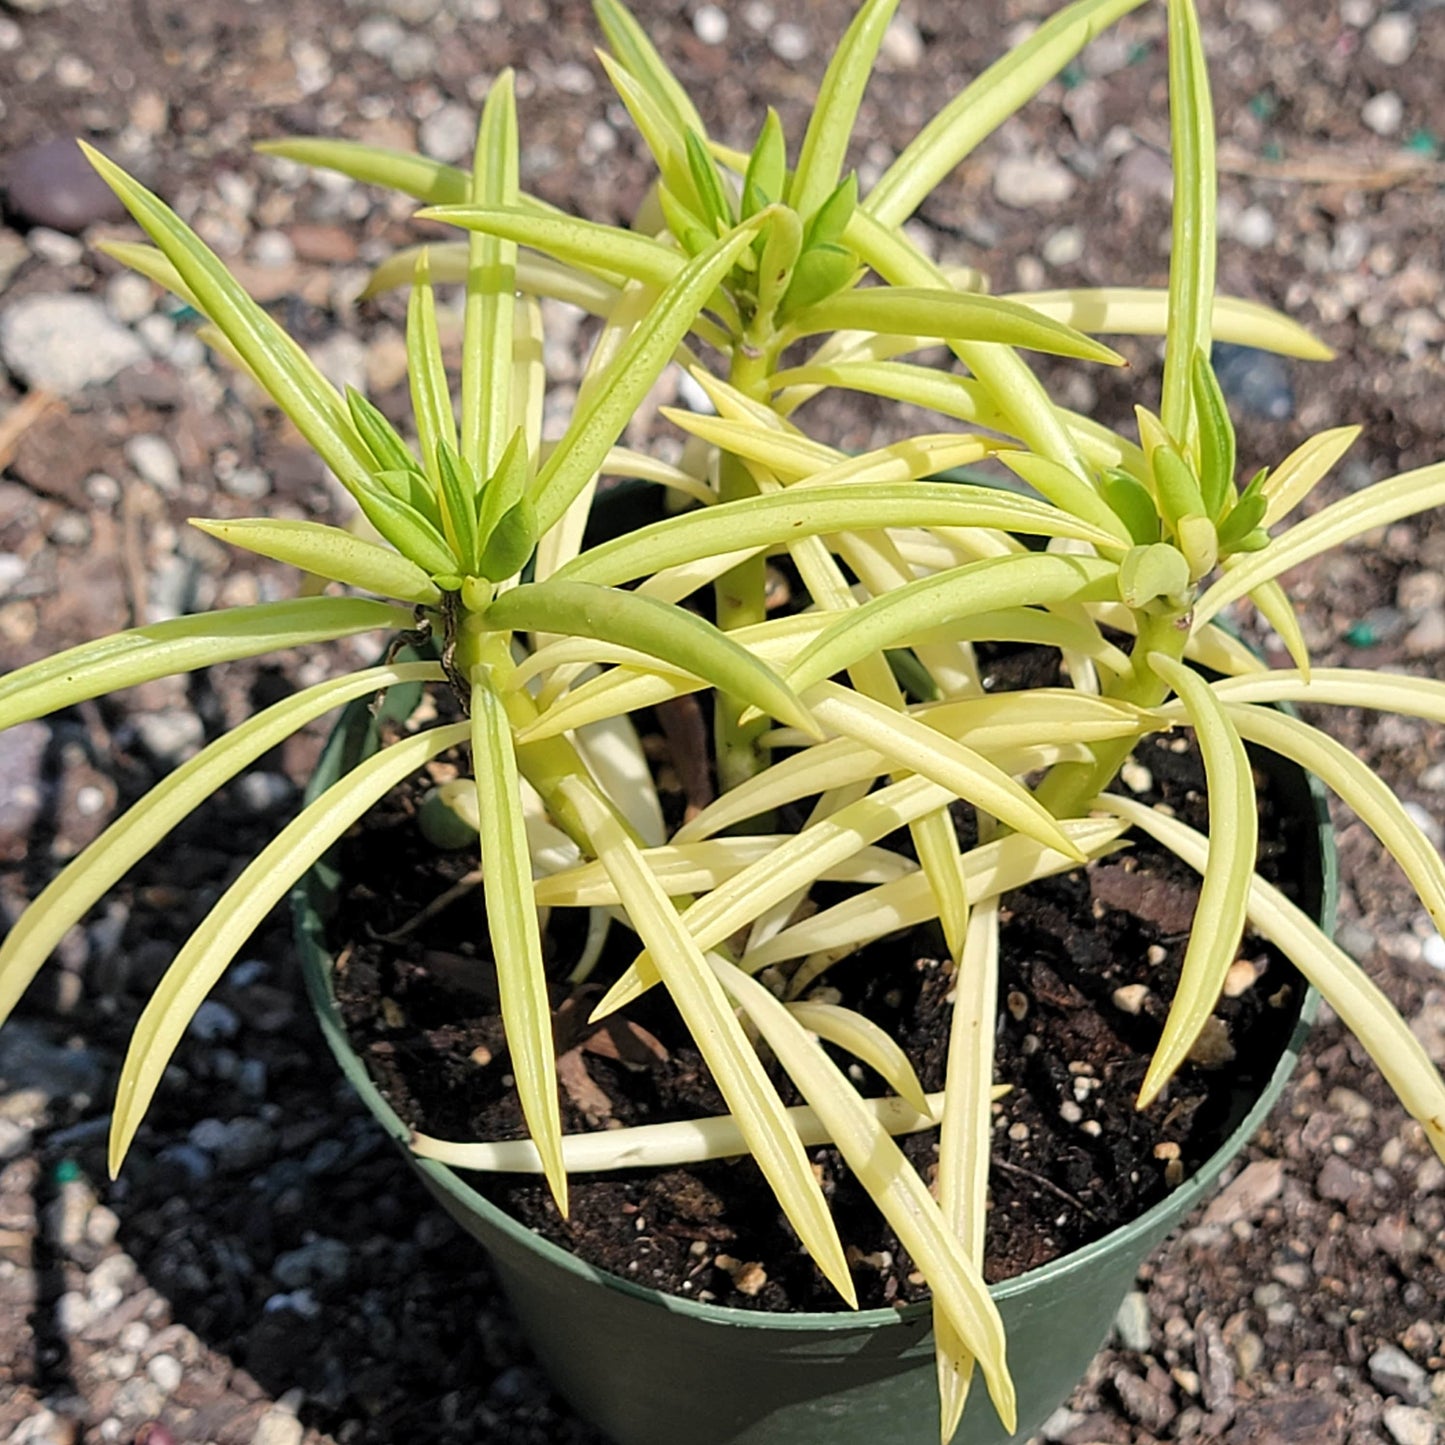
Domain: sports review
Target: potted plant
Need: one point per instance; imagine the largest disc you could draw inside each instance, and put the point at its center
(545, 647)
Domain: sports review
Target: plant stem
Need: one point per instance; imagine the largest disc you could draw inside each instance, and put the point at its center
(544, 764)
(1069, 786)
(739, 594)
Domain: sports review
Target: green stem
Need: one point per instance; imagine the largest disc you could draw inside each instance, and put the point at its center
(740, 594)
(1067, 790)
(544, 764)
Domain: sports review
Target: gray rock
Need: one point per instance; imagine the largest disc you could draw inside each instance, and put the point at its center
(130, 297)
(250, 484)
(1216, 1366)
(50, 183)
(1339, 1182)
(15, 1139)
(263, 793)
(414, 57)
(324, 1156)
(320, 1261)
(298, 1301)
(1254, 227)
(1395, 1373)
(12, 572)
(1256, 381)
(1410, 1426)
(154, 462)
(449, 132)
(1024, 182)
(1132, 1324)
(169, 737)
(902, 46)
(65, 1216)
(1256, 1186)
(1427, 637)
(214, 1021)
(55, 246)
(414, 12)
(1391, 39)
(790, 42)
(252, 1079)
(245, 1144)
(28, 1060)
(192, 1160)
(64, 343)
(22, 789)
(72, 1313)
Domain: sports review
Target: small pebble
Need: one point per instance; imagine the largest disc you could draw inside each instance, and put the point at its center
(710, 25)
(902, 45)
(1395, 1373)
(1136, 777)
(1410, 1426)
(1025, 182)
(55, 246)
(213, 1021)
(1432, 950)
(1383, 113)
(1130, 999)
(278, 1427)
(1132, 1323)
(449, 132)
(1391, 39)
(165, 1373)
(154, 462)
(1240, 978)
(130, 297)
(1064, 247)
(321, 1261)
(1256, 381)
(1254, 227)
(790, 42)
(169, 737)
(273, 249)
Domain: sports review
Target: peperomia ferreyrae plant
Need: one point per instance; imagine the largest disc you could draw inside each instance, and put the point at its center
(770, 283)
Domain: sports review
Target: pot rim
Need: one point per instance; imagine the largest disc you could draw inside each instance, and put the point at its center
(319, 883)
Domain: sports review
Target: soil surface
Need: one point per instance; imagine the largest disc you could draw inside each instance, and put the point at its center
(266, 1269)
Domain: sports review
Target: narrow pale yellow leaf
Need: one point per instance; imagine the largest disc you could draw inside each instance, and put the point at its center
(891, 1181)
(867, 1042)
(660, 1146)
(260, 886)
(87, 878)
(735, 1066)
(1361, 1005)
(1223, 895)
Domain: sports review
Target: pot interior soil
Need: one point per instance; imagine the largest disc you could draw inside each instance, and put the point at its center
(1089, 964)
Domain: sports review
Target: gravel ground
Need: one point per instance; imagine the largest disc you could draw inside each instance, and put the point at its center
(266, 1271)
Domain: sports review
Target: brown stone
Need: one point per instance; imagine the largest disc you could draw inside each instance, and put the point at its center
(1296, 1420)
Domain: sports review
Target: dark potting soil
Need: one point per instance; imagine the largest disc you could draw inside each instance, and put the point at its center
(1089, 961)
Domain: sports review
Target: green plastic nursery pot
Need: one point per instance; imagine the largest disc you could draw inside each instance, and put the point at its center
(653, 1369)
